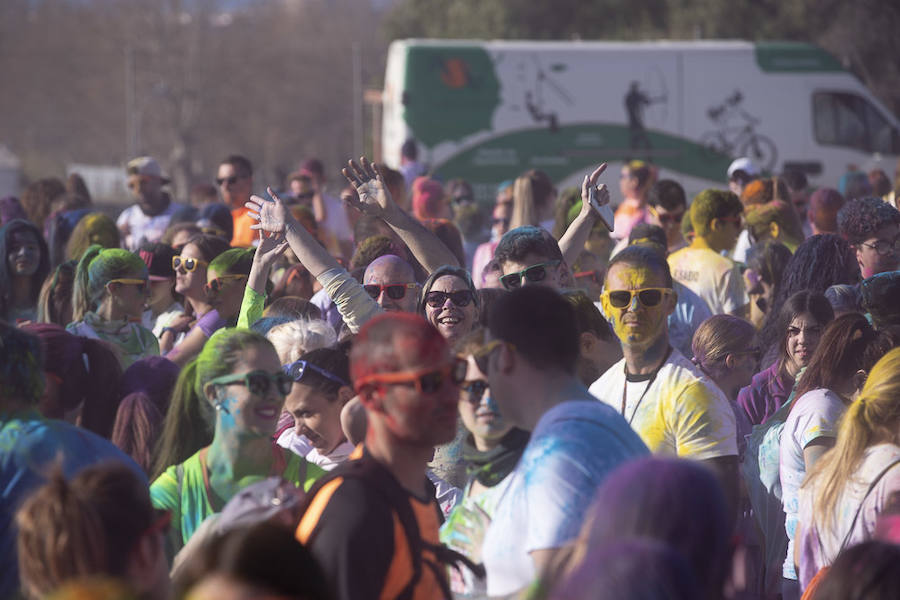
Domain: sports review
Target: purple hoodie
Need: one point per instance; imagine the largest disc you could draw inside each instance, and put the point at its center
(766, 393)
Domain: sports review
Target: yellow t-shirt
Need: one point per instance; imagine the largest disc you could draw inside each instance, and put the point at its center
(681, 413)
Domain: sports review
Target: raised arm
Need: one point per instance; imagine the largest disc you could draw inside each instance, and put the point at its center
(354, 304)
(572, 242)
(275, 218)
(375, 200)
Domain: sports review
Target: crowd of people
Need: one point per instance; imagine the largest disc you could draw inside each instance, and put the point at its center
(389, 388)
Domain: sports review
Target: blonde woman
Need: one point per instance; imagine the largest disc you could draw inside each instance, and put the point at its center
(848, 487)
(534, 199)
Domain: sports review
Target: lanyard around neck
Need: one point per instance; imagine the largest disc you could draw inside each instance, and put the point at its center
(646, 389)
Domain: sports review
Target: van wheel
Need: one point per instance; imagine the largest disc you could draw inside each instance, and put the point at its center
(760, 150)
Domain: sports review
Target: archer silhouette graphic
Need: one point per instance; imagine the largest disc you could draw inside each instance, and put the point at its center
(636, 101)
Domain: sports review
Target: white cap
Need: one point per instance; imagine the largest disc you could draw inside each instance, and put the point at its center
(743, 164)
(145, 165)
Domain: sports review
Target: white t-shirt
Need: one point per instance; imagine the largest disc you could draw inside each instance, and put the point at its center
(814, 415)
(143, 228)
(711, 276)
(819, 548)
(679, 413)
(574, 446)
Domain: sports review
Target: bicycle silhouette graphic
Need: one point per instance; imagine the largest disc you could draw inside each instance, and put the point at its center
(739, 139)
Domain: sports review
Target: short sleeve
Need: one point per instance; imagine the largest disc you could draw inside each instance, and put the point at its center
(735, 294)
(164, 492)
(704, 423)
(818, 419)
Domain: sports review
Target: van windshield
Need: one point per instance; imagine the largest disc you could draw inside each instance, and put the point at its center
(845, 119)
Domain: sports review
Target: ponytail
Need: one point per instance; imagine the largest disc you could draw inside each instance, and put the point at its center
(188, 426)
(873, 418)
(82, 303)
(137, 428)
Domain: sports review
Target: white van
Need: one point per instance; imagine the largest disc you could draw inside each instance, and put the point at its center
(487, 111)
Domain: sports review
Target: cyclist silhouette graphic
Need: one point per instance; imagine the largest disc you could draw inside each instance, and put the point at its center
(738, 139)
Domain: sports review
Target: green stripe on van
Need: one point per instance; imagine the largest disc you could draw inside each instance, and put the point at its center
(794, 57)
(574, 148)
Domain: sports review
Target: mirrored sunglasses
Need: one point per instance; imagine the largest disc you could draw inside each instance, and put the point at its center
(188, 264)
(436, 299)
(534, 273)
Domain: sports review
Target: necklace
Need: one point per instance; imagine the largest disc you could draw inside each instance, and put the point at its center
(650, 381)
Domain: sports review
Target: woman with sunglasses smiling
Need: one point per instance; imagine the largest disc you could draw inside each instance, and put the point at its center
(110, 295)
(321, 389)
(238, 387)
(190, 281)
(450, 302)
(491, 449)
(226, 278)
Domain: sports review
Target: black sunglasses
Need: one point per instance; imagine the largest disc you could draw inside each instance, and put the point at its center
(259, 382)
(229, 180)
(475, 391)
(437, 299)
(394, 291)
(297, 369)
(648, 297)
(534, 273)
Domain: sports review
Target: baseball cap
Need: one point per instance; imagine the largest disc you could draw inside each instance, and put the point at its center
(158, 258)
(743, 164)
(145, 165)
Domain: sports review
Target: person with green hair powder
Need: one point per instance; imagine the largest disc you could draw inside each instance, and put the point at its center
(238, 385)
(108, 302)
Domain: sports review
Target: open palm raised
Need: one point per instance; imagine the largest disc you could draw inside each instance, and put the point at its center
(271, 217)
(374, 197)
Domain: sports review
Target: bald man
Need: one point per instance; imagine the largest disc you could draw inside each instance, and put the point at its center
(391, 282)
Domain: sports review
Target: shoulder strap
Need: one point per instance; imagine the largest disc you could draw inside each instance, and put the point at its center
(179, 478)
(863, 501)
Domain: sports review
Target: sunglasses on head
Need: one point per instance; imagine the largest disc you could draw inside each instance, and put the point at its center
(141, 284)
(258, 382)
(297, 369)
(217, 284)
(534, 273)
(426, 381)
(475, 391)
(188, 264)
(229, 180)
(648, 297)
(394, 291)
(436, 299)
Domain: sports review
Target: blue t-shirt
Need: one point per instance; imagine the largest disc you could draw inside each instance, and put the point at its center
(574, 446)
(30, 447)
